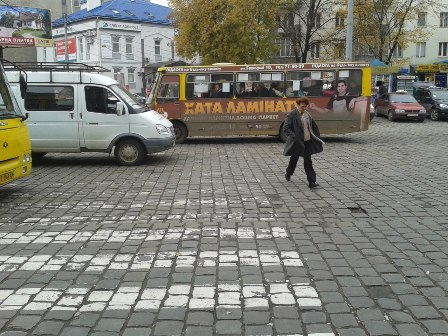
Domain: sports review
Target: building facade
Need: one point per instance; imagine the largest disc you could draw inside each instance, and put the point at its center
(123, 36)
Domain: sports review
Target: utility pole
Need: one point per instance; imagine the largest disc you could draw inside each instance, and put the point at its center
(142, 46)
(349, 36)
(64, 16)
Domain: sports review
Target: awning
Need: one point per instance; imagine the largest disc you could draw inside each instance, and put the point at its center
(377, 62)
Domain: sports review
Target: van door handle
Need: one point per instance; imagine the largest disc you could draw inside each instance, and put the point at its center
(72, 115)
(176, 103)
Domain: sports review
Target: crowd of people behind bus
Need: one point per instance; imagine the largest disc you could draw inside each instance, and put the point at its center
(312, 88)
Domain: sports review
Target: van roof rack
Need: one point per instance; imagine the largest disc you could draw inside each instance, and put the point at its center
(53, 67)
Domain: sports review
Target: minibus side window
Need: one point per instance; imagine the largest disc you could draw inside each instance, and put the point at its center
(100, 100)
(49, 98)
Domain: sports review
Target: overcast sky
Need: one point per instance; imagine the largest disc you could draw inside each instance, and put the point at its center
(160, 2)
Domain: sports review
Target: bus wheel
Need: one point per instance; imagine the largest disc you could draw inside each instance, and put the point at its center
(181, 132)
(282, 135)
(129, 152)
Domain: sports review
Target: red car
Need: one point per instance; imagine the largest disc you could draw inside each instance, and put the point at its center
(396, 105)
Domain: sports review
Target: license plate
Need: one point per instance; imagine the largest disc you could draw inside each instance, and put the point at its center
(413, 115)
(6, 176)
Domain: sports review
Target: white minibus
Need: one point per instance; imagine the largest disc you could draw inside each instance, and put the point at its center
(73, 109)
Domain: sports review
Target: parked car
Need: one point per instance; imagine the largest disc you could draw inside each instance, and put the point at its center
(434, 100)
(397, 105)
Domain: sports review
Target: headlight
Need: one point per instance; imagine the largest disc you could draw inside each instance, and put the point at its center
(162, 129)
(422, 111)
(443, 106)
(26, 158)
(399, 111)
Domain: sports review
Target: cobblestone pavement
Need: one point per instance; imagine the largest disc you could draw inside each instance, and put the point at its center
(209, 239)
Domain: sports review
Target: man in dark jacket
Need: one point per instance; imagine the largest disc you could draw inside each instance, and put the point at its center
(303, 140)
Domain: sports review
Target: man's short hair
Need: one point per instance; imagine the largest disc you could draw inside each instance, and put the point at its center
(303, 100)
(342, 81)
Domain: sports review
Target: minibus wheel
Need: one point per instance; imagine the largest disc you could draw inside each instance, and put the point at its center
(129, 152)
(181, 132)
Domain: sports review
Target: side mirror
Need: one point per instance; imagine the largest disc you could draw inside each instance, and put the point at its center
(23, 86)
(121, 109)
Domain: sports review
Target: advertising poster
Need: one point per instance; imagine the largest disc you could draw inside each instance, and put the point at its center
(60, 50)
(25, 27)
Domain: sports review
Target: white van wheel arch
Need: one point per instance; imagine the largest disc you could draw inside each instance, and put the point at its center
(129, 152)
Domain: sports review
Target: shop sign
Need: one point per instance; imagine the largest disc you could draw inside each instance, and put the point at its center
(384, 70)
(443, 67)
(428, 68)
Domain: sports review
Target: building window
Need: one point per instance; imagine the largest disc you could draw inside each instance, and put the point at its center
(129, 51)
(131, 75)
(157, 47)
(443, 48)
(87, 50)
(116, 47)
(81, 48)
(285, 47)
(315, 50)
(339, 50)
(339, 20)
(315, 21)
(444, 19)
(398, 51)
(421, 49)
(421, 19)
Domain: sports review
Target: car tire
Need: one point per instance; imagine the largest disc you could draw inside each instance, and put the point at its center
(434, 114)
(377, 114)
(129, 152)
(181, 132)
(37, 156)
(390, 116)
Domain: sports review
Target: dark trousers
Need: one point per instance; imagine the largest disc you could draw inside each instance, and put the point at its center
(307, 163)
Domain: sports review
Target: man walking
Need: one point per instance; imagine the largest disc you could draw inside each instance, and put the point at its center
(303, 140)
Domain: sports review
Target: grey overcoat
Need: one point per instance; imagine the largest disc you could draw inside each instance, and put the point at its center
(293, 128)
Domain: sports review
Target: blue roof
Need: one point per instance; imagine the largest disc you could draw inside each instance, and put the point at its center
(124, 10)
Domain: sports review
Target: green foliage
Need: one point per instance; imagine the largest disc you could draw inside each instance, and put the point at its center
(225, 30)
(7, 20)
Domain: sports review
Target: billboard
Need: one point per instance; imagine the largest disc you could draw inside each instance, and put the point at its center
(71, 50)
(25, 27)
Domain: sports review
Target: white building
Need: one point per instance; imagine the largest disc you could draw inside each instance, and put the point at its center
(124, 36)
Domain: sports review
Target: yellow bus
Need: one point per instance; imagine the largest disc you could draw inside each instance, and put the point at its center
(15, 146)
(227, 99)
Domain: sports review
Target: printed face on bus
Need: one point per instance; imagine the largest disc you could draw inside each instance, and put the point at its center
(342, 89)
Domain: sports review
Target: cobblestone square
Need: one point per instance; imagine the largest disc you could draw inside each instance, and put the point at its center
(210, 239)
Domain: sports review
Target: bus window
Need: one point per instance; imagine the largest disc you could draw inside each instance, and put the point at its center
(169, 89)
(309, 83)
(247, 82)
(353, 81)
(210, 86)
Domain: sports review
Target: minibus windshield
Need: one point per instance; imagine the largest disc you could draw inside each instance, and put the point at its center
(128, 98)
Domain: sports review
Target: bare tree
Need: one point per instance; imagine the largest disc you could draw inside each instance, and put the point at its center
(309, 23)
(381, 26)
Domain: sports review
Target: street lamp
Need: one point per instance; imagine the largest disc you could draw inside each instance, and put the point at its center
(349, 36)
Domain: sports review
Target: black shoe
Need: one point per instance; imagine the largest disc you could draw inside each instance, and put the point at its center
(287, 177)
(312, 185)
